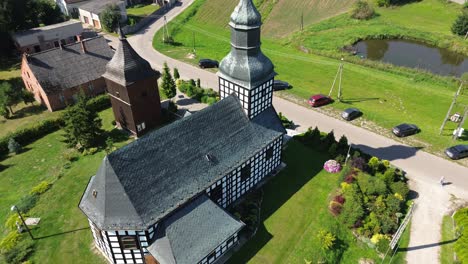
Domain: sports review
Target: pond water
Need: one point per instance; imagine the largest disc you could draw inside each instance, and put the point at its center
(414, 54)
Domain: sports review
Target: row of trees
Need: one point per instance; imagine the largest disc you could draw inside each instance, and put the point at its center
(10, 95)
(16, 15)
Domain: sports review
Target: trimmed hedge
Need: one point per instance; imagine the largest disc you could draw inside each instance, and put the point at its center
(32, 133)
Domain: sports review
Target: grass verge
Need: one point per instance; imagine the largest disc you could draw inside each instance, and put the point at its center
(446, 250)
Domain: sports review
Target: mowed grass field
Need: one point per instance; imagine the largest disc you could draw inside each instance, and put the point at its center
(387, 98)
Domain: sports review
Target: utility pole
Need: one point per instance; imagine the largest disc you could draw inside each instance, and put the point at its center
(339, 84)
(193, 36)
(460, 125)
(15, 208)
(454, 101)
(302, 21)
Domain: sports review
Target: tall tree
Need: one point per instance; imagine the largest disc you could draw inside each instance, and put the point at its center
(110, 17)
(9, 96)
(82, 124)
(168, 84)
(460, 25)
(49, 13)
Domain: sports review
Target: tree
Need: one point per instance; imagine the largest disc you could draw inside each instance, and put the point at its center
(9, 96)
(27, 97)
(168, 84)
(198, 83)
(48, 12)
(460, 26)
(362, 10)
(13, 146)
(327, 239)
(176, 74)
(82, 124)
(110, 17)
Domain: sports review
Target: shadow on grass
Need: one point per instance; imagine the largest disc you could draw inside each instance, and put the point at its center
(428, 245)
(28, 111)
(302, 165)
(390, 153)
(118, 135)
(62, 233)
(357, 100)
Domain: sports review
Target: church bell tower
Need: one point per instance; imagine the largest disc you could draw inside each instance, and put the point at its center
(246, 71)
(133, 88)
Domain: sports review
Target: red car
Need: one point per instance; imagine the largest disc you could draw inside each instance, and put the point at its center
(319, 100)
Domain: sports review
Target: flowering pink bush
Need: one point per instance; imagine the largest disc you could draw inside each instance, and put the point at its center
(332, 166)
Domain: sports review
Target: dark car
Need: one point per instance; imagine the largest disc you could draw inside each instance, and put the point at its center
(404, 130)
(207, 63)
(319, 100)
(280, 85)
(351, 113)
(457, 152)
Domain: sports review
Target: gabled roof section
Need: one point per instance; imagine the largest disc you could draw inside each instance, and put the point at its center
(164, 169)
(245, 16)
(193, 232)
(127, 67)
(62, 68)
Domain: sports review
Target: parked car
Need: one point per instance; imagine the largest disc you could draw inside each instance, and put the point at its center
(207, 63)
(319, 100)
(280, 85)
(457, 152)
(351, 113)
(404, 130)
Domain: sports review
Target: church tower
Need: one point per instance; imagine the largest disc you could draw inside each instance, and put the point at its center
(133, 88)
(246, 71)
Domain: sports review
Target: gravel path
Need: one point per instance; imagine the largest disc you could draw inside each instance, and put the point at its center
(424, 169)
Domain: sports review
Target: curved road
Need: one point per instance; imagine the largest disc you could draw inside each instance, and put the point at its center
(424, 169)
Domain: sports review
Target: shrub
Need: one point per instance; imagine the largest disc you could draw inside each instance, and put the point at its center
(339, 199)
(99, 103)
(20, 252)
(383, 2)
(371, 185)
(311, 137)
(90, 151)
(388, 176)
(333, 150)
(110, 17)
(70, 155)
(343, 145)
(400, 188)
(373, 164)
(11, 220)
(460, 25)
(13, 146)
(382, 245)
(172, 107)
(358, 163)
(353, 209)
(327, 239)
(362, 10)
(335, 208)
(9, 241)
(211, 100)
(176, 74)
(40, 188)
(27, 202)
(198, 83)
(328, 140)
(285, 121)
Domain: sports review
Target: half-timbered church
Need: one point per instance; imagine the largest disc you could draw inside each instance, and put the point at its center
(163, 198)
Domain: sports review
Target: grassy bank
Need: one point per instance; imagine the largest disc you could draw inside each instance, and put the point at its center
(446, 250)
(63, 232)
(387, 98)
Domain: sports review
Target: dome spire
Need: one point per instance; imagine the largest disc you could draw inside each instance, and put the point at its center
(246, 16)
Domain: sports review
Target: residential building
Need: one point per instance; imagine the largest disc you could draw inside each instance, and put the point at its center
(90, 11)
(133, 88)
(48, 37)
(56, 76)
(163, 198)
(70, 7)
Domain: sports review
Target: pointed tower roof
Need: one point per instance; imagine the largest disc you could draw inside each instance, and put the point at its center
(245, 16)
(246, 65)
(126, 66)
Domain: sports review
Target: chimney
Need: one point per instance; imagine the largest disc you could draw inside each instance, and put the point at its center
(79, 37)
(83, 46)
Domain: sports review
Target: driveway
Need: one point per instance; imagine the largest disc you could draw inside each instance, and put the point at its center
(424, 169)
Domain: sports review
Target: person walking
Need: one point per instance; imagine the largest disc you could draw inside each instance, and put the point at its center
(442, 181)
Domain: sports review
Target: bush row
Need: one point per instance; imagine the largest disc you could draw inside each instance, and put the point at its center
(31, 133)
(194, 91)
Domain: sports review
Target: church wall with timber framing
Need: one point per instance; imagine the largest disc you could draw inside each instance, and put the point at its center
(246, 177)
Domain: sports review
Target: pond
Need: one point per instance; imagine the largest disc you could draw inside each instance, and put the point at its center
(414, 54)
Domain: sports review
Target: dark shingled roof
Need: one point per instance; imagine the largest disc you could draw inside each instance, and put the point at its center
(97, 6)
(193, 232)
(144, 181)
(127, 67)
(245, 16)
(59, 69)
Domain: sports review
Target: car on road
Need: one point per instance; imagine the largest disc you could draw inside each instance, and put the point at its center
(319, 100)
(207, 63)
(404, 130)
(457, 152)
(280, 85)
(351, 113)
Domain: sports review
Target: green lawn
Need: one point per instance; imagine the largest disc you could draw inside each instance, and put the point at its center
(63, 227)
(142, 10)
(294, 208)
(446, 250)
(387, 97)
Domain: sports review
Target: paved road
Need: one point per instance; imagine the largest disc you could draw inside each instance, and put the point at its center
(423, 169)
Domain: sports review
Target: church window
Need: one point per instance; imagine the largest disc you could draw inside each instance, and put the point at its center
(117, 94)
(269, 153)
(216, 193)
(129, 242)
(245, 172)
